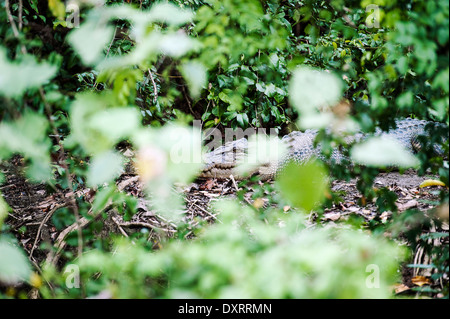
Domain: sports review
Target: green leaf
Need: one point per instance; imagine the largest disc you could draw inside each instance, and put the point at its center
(181, 145)
(196, 77)
(233, 99)
(14, 266)
(259, 88)
(315, 120)
(442, 80)
(170, 14)
(27, 136)
(271, 89)
(262, 150)
(382, 151)
(303, 185)
(97, 126)
(57, 8)
(242, 119)
(102, 197)
(176, 44)
(18, 76)
(116, 123)
(405, 100)
(312, 89)
(172, 154)
(83, 108)
(39, 169)
(4, 209)
(104, 168)
(402, 65)
(90, 39)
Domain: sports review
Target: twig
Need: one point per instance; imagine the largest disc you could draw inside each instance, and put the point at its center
(64, 165)
(187, 99)
(52, 257)
(166, 221)
(347, 18)
(20, 14)
(119, 226)
(248, 202)
(349, 21)
(107, 51)
(55, 132)
(44, 220)
(147, 225)
(112, 41)
(121, 186)
(234, 182)
(155, 89)
(205, 211)
(11, 20)
(13, 26)
(34, 292)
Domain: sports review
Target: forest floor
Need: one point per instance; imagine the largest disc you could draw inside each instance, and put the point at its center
(33, 207)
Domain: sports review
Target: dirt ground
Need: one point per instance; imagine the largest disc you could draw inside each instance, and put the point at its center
(33, 206)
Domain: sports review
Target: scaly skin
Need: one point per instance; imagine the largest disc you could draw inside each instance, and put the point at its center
(221, 162)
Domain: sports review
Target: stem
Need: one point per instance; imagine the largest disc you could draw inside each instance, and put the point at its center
(64, 165)
(13, 25)
(52, 124)
(20, 14)
(155, 89)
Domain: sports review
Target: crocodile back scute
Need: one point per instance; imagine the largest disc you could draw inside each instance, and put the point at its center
(301, 148)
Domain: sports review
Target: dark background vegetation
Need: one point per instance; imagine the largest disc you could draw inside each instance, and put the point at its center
(63, 107)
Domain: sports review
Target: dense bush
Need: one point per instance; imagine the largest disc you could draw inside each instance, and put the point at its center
(250, 259)
(141, 73)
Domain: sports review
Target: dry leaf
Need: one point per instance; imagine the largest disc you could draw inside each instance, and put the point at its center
(210, 195)
(420, 281)
(399, 288)
(431, 182)
(385, 216)
(408, 205)
(332, 216)
(208, 185)
(352, 209)
(121, 186)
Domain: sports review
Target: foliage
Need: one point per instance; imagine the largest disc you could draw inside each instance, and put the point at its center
(251, 259)
(139, 73)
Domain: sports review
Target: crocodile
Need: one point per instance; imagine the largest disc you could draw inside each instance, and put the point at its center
(222, 162)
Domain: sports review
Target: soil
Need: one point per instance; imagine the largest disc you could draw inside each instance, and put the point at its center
(33, 205)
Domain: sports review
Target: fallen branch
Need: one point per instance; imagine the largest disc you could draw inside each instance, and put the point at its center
(147, 225)
(44, 221)
(53, 256)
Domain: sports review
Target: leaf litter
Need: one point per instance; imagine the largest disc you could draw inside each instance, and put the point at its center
(33, 205)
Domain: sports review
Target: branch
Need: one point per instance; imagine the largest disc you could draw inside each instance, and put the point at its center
(20, 14)
(155, 89)
(53, 126)
(13, 25)
(63, 163)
